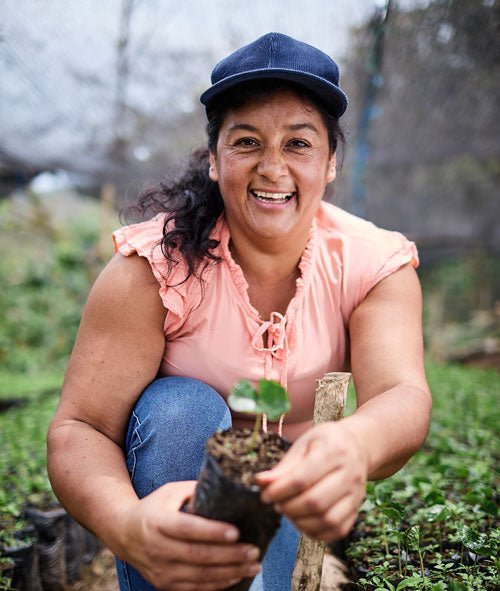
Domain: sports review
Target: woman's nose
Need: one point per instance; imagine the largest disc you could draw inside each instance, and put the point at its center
(272, 164)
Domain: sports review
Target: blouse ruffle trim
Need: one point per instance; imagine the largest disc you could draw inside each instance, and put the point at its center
(178, 296)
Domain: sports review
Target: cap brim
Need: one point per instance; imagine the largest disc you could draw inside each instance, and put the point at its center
(330, 95)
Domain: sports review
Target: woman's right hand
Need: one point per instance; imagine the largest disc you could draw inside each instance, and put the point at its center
(177, 551)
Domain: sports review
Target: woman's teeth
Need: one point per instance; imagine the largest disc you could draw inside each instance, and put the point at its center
(272, 197)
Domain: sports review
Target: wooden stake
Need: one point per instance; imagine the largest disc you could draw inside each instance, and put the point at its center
(329, 405)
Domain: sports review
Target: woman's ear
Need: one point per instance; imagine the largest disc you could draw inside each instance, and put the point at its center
(212, 171)
(332, 168)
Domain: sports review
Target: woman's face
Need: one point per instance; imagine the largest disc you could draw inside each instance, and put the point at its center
(272, 164)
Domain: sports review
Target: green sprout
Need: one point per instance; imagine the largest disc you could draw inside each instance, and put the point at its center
(270, 399)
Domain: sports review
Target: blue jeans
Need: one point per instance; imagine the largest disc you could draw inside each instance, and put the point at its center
(166, 438)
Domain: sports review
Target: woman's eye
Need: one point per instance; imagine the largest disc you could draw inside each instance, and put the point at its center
(246, 141)
(298, 144)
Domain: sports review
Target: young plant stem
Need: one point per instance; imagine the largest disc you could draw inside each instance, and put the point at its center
(255, 433)
(421, 558)
(384, 537)
(399, 558)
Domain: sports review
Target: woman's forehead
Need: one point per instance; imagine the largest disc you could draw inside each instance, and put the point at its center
(289, 107)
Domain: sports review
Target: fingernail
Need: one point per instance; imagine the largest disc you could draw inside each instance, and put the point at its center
(254, 569)
(231, 534)
(252, 553)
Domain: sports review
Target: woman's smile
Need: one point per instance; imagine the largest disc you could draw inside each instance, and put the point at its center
(271, 199)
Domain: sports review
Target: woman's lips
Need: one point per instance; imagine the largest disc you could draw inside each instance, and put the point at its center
(273, 198)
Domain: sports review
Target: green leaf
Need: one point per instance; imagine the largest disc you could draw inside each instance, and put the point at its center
(244, 398)
(414, 582)
(273, 399)
(436, 513)
(394, 511)
(412, 538)
(475, 541)
(383, 492)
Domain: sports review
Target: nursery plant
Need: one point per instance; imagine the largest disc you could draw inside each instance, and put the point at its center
(226, 487)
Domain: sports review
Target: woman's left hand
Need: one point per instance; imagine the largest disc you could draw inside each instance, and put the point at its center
(320, 483)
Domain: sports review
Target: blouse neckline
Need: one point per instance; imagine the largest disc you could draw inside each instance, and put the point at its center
(241, 285)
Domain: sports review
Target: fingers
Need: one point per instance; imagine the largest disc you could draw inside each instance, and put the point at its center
(213, 575)
(210, 554)
(335, 524)
(295, 475)
(192, 527)
(171, 522)
(323, 494)
(181, 576)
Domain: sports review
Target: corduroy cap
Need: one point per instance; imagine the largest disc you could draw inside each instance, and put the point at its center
(278, 56)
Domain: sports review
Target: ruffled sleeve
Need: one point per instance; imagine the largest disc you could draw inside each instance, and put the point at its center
(365, 254)
(375, 256)
(178, 296)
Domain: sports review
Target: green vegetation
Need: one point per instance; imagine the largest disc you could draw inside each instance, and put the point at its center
(45, 275)
(434, 524)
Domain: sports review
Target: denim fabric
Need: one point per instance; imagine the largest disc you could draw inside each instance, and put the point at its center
(165, 442)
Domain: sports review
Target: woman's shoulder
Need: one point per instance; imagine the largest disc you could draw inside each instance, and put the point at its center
(357, 236)
(336, 222)
(362, 253)
(179, 290)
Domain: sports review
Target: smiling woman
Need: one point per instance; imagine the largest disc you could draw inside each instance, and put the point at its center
(243, 273)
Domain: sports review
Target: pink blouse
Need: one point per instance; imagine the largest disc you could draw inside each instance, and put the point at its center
(217, 336)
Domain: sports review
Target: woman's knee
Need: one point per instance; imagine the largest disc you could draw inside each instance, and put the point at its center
(182, 402)
(168, 430)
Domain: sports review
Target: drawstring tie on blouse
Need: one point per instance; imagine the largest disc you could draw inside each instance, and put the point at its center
(277, 347)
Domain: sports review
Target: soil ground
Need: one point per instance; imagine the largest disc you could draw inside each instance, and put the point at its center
(100, 575)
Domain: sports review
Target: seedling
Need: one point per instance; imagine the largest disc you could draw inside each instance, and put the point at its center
(269, 399)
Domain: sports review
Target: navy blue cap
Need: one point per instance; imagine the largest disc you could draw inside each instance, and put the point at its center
(278, 56)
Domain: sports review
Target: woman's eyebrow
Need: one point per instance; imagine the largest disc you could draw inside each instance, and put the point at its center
(242, 126)
(300, 126)
(293, 127)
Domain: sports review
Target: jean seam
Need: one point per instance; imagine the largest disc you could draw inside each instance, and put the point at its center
(132, 450)
(126, 576)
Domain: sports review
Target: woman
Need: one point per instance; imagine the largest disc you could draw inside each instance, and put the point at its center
(244, 273)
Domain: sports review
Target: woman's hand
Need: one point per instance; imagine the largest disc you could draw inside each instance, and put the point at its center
(182, 552)
(320, 483)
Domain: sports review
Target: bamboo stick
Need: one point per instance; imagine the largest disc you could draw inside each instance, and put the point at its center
(329, 405)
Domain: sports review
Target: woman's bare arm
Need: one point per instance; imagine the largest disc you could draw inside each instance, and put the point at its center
(109, 367)
(117, 353)
(320, 483)
(387, 358)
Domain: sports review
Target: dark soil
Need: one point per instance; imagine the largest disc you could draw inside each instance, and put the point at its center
(241, 457)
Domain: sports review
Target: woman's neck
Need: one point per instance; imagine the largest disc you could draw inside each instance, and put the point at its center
(271, 269)
(268, 262)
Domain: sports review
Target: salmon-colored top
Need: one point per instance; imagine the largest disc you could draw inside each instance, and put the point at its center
(217, 336)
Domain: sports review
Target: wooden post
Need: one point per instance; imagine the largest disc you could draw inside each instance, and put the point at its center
(329, 405)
